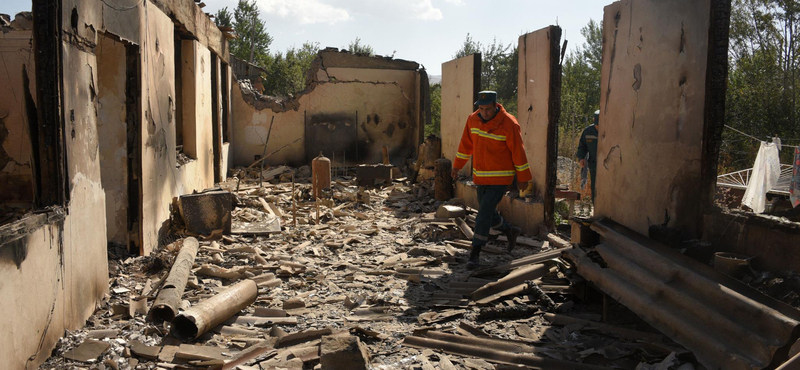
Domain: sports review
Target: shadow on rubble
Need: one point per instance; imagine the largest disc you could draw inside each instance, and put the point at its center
(538, 307)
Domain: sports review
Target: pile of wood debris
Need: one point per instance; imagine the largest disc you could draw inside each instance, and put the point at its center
(370, 278)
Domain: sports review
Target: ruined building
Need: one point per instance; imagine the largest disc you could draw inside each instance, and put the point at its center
(114, 118)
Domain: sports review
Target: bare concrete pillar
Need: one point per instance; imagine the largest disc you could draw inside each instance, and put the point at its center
(443, 186)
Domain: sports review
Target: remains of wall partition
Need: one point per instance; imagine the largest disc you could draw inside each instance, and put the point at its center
(661, 111)
(352, 107)
(93, 125)
(461, 82)
(53, 266)
(539, 99)
(539, 109)
(17, 110)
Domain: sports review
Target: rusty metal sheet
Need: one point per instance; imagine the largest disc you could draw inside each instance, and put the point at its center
(727, 324)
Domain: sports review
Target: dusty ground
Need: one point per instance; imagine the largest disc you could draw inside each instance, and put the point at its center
(375, 266)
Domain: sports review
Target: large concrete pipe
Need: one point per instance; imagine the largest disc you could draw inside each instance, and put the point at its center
(168, 300)
(213, 311)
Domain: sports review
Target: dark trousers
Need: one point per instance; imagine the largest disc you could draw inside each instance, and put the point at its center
(488, 217)
(593, 176)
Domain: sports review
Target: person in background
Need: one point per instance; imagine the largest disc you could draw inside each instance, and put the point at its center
(493, 140)
(587, 151)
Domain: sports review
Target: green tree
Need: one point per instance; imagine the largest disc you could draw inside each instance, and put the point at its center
(762, 79)
(435, 128)
(224, 18)
(286, 73)
(252, 43)
(580, 88)
(469, 47)
(356, 47)
(499, 69)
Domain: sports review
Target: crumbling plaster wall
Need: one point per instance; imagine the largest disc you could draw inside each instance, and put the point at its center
(251, 125)
(197, 95)
(652, 108)
(538, 102)
(151, 26)
(374, 106)
(460, 85)
(52, 278)
(162, 179)
(112, 128)
(17, 64)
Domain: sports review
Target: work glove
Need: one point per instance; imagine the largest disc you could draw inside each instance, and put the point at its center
(525, 190)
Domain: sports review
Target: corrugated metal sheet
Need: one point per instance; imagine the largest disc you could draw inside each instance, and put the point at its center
(727, 324)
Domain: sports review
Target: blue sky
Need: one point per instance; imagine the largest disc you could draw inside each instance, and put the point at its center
(426, 31)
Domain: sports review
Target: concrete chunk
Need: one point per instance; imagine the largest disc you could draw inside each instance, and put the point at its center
(448, 211)
(88, 351)
(343, 352)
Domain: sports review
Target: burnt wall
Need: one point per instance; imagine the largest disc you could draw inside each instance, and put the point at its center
(17, 113)
(653, 109)
(538, 102)
(344, 112)
(773, 243)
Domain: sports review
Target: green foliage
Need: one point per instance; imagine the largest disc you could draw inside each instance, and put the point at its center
(580, 88)
(224, 18)
(470, 47)
(356, 47)
(762, 79)
(286, 73)
(251, 31)
(436, 111)
(499, 69)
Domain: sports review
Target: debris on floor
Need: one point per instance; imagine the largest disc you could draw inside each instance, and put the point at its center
(369, 278)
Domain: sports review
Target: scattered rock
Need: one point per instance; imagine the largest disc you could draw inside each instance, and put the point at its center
(343, 352)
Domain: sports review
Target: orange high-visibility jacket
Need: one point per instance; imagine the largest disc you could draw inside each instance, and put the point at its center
(496, 149)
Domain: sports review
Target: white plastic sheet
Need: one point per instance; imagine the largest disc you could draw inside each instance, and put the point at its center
(764, 176)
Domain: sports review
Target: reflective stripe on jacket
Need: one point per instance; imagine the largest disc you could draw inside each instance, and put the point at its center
(496, 150)
(588, 144)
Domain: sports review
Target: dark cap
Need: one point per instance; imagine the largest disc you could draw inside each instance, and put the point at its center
(486, 97)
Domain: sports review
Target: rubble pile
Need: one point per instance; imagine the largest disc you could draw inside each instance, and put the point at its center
(782, 285)
(367, 278)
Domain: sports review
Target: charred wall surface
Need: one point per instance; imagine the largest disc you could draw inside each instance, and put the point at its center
(653, 109)
(351, 108)
(539, 107)
(17, 112)
(90, 110)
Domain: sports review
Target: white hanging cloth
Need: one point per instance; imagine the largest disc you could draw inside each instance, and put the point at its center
(764, 177)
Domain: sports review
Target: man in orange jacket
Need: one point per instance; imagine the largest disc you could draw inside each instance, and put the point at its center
(492, 139)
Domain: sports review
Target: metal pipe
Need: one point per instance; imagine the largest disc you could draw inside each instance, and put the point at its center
(213, 311)
(168, 299)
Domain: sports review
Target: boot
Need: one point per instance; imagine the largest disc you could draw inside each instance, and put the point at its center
(474, 258)
(511, 233)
